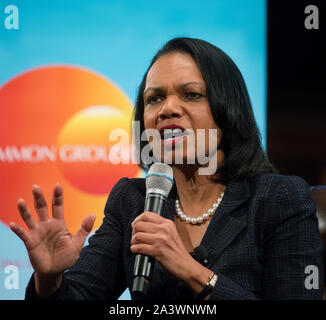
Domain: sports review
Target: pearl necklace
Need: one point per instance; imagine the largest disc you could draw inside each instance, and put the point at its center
(201, 218)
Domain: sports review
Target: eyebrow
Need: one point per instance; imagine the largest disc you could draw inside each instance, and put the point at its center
(182, 86)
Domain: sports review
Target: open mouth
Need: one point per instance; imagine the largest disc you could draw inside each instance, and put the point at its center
(170, 135)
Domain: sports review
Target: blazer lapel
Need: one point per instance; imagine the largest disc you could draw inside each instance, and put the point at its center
(170, 203)
(227, 222)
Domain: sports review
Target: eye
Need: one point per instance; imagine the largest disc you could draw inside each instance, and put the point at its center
(193, 95)
(154, 99)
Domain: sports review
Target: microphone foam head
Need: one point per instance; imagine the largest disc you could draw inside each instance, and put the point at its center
(159, 179)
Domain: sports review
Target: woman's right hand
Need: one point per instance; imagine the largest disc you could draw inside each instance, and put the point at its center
(50, 246)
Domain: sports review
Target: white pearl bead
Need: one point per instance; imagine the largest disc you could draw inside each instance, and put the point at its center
(200, 219)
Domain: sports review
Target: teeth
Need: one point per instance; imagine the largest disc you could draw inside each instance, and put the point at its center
(170, 133)
(177, 131)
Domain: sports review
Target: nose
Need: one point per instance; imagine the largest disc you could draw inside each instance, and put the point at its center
(171, 108)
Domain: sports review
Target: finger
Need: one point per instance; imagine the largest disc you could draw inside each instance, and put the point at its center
(19, 231)
(57, 202)
(26, 214)
(85, 228)
(145, 249)
(40, 203)
(143, 238)
(141, 226)
(149, 217)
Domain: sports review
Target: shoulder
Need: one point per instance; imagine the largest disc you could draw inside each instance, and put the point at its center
(277, 185)
(126, 192)
(127, 187)
(281, 197)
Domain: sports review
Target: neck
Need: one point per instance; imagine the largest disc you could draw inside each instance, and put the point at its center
(194, 189)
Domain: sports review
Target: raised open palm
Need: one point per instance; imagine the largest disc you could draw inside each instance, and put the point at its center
(50, 246)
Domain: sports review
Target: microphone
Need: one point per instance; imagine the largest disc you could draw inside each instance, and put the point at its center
(159, 182)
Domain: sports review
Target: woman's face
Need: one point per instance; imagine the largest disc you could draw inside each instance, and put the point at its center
(175, 103)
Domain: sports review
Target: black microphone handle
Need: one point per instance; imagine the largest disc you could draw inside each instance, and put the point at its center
(143, 266)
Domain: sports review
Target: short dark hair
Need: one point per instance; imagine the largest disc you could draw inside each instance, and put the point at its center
(230, 106)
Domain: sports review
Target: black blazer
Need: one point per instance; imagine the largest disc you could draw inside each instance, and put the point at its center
(260, 240)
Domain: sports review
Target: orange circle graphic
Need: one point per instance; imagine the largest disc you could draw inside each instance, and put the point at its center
(55, 126)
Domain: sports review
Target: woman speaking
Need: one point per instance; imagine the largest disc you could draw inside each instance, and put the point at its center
(239, 231)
